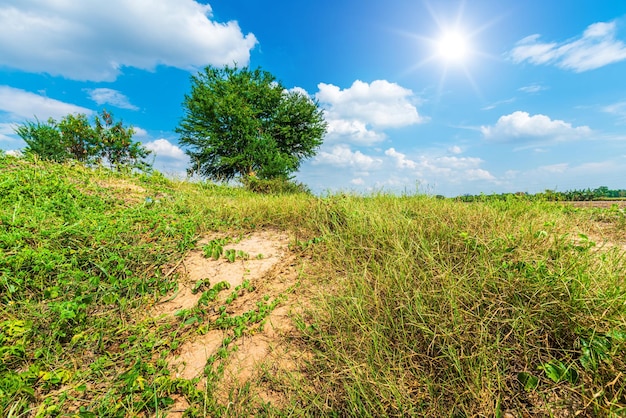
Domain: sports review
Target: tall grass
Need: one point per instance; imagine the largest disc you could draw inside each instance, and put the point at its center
(430, 307)
(448, 309)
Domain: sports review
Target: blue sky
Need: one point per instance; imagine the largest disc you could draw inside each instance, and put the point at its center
(448, 97)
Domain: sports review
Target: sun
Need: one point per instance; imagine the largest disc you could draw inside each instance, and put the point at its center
(452, 47)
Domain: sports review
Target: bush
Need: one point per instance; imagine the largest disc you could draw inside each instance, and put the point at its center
(277, 185)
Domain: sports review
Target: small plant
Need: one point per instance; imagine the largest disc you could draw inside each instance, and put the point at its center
(215, 248)
(597, 349)
(558, 372)
(303, 245)
(232, 255)
(211, 294)
(201, 284)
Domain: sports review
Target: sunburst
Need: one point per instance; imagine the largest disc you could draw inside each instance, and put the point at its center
(452, 46)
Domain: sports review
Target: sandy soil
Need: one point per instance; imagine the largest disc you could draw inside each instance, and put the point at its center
(272, 270)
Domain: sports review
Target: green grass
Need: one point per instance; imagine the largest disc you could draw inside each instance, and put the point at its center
(430, 307)
(443, 309)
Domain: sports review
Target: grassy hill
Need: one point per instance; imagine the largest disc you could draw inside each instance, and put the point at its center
(396, 305)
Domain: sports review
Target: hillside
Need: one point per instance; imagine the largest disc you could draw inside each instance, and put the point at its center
(137, 295)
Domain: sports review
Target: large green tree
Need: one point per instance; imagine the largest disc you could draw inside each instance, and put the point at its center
(74, 138)
(240, 122)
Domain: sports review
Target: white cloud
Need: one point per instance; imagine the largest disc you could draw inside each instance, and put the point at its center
(353, 130)
(92, 40)
(458, 163)
(478, 174)
(618, 109)
(168, 158)
(140, 132)
(554, 168)
(392, 169)
(532, 88)
(7, 131)
(498, 103)
(109, 96)
(596, 48)
(400, 159)
(164, 148)
(359, 113)
(342, 156)
(20, 104)
(299, 90)
(522, 125)
(455, 149)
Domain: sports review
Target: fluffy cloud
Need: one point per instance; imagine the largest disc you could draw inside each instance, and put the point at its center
(140, 132)
(456, 163)
(109, 96)
(522, 125)
(87, 40)
(391, 169)
(164, 148)
(400, 159)
(596, 48)
(354, 131)
(19, 104)
(168, 158)
(343, 156)
(359, 113)
(452, 168)
(478, 174)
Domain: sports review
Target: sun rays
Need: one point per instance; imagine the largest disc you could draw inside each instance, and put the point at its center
(452, 47)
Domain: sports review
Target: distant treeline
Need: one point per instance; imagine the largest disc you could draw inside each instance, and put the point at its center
(601, 193)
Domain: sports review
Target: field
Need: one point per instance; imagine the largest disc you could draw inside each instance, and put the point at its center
(136, 295)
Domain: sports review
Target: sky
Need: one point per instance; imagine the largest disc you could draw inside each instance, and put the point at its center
(432, 96)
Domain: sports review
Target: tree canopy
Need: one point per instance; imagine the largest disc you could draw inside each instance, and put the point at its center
(74, 138)
(242, 122)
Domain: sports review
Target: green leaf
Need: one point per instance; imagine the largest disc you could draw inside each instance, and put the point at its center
(191, 320)
(529, 381)
(556, 371)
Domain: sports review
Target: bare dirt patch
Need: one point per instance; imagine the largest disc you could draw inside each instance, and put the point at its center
(272, 270)
(265, 250)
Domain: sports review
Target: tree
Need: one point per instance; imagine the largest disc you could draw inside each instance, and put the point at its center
(241, 123)
(79, 138)
(43, 140)
(75, 138)
(116, 145)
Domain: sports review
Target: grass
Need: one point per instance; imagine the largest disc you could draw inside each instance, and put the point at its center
(448, 309)
(430, 307)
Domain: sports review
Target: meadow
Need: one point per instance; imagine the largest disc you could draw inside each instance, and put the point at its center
(398, 305)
